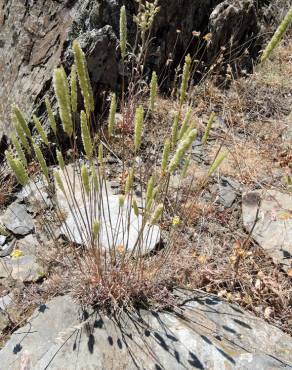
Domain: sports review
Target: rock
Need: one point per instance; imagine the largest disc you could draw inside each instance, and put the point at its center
(24, 268)
(35, 193)
(2, 240)
(6, 249)
(37, 35)
(5, 301)
(114, 221)
(206, 333)
(234, 23)
(227, 194)
(17, 220)
(273, 230)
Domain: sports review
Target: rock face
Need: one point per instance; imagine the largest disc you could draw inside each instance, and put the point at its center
(206, 333)
(35, 36)
(17, 220)
(117, 226)
(273, 229)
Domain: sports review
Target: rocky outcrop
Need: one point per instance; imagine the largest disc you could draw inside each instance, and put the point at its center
(205, 333)
(35, 36)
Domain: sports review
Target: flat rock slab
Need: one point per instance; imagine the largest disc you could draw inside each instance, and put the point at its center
(118, 227)
(17, 220)
(206, 333)
(25, 268)
(273, 230)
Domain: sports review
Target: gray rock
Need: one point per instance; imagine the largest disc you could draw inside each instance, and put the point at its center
(227, 195)
(35, 193)
(206, 333)
(6, 249)
(5, 301)
(24, 268)
(17, 220)
(116, 227)
(2, 239)
(273, 229)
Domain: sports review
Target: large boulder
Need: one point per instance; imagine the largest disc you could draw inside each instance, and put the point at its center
(205, 333)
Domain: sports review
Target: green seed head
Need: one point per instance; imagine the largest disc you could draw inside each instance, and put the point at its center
(174, 130)
(185, 79)
(61, 87)
(19, 150)
(182, 148)
(85, 134)
(21, 120)
(208, 128)
(41, 160)
(85, 179)
(73, 86)
(153, 91)
(59, 181)
(40, 130)
(18, 168)
(217, 163)
(123, 31)
(95, 229)
(185, 124)
(83, 77)
(60, 159)
(165, 154)
(112, 115)
(129, 182)
(157, 214)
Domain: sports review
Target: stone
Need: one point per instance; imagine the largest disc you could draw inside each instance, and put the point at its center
(273, 230)
(2, 239)
(7, 248)
(5, 301)
(37, 35)
(25, 268)
(17, 220)
(204, 333)
(116, 228)
(36, 195)
(227, 195)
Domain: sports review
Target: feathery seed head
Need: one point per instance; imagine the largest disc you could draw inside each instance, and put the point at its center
(157, 214)
(73, 86)
(112, 115)
(61, 87)
(135, 208)
(18, 168)
(21, 120)
(208, 128)
(22, 138)
(185, 78)
(19, 150)
(174, 130)
(182, 148)
(85, 179)
(85, 134)
(41, 160)
(185, 124)
(153, 90)
(123, 31)
(121, 201)
(60, 159)
(94, 178)
(129, 182)
(40, 130)
(95, 229)
(59, 181)
(83, 77)
(217, 163)
(165, 154)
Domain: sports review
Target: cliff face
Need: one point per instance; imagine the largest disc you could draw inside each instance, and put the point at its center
(35, 36)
